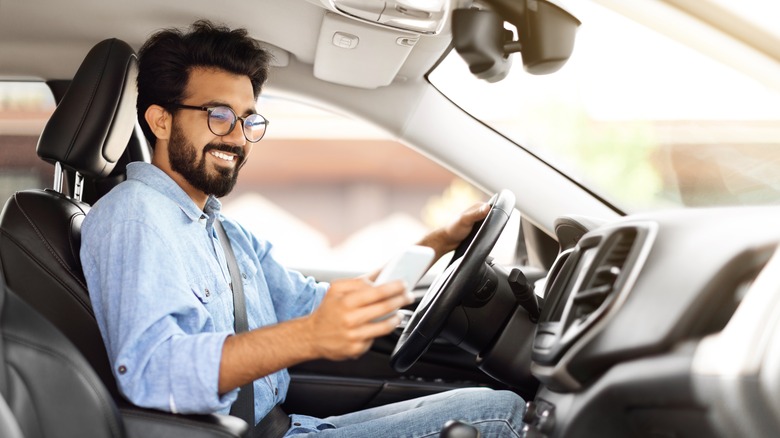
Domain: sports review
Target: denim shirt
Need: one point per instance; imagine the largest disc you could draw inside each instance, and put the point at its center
(160, 289)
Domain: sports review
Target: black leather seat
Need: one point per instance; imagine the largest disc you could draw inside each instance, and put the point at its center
(48, 386)
(9, 428)
(40, 230)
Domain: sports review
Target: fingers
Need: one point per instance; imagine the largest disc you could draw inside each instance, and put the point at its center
(359, 297)
(344, 326)
(467, 219)
(460, 228)
(345, 287)
(366, 314)
(475, 213)
(379, 328)
(375, 294)
(360, 302)
(364, 337)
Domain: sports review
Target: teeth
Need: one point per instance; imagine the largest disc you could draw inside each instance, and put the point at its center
(222, 155)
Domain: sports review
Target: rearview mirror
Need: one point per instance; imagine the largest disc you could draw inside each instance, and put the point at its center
(545, 37)
(479, 38)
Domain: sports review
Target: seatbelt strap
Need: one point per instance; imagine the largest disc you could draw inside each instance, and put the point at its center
(276, 423)
(244, 406)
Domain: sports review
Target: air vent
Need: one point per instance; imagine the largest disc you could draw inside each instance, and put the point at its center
(601, 282)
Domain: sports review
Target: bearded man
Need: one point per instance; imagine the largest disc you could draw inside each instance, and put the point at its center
(160, 281)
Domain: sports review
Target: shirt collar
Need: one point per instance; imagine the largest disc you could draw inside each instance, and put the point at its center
(155, 178)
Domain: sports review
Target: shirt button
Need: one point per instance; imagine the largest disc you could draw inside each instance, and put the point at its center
(243, 275)
(207, 292)
(122, 369)
(276, 391)
(296, 424)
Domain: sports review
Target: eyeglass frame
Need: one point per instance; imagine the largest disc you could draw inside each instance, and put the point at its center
(209, 109)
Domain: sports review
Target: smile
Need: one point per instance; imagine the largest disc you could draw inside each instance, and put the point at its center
(223, 155)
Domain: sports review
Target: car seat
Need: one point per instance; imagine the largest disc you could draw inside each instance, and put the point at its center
(47, 385)
(40, 230)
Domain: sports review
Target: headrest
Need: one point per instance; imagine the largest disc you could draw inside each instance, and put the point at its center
(91, 126)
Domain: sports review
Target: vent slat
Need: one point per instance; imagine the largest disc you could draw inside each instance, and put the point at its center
(604, 276)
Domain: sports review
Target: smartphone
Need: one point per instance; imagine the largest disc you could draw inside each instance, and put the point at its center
(408, 266)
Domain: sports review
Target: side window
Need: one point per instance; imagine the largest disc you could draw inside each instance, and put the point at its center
(24, 109)
(334, 193)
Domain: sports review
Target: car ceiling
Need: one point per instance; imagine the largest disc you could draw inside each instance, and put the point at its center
(46, 39)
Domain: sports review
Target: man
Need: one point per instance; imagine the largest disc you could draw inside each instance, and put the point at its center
(159, 281)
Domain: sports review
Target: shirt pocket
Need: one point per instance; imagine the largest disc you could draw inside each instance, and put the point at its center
(247, 267)
(208, 288)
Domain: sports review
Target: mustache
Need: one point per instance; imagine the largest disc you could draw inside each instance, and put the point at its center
(238, 151)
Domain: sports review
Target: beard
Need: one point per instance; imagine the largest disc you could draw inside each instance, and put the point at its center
(183, 157)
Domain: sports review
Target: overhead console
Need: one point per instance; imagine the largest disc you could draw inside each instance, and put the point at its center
(366, 43)
(425, 17)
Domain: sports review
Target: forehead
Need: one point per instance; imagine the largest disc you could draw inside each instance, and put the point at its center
(211, 85)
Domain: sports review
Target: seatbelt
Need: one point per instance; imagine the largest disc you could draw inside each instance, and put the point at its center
(276, 422)
(244, 406)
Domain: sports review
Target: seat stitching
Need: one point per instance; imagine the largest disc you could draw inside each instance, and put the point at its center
(43, 239)
(86, 304)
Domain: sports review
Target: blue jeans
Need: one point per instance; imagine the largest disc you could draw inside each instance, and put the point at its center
(494, 413)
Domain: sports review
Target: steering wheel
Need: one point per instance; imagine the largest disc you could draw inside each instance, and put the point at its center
(452, 285)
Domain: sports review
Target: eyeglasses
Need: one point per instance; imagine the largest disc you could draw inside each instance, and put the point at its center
(222, 120)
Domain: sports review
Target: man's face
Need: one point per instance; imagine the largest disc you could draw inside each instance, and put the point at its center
(185, 158)
(207, 162)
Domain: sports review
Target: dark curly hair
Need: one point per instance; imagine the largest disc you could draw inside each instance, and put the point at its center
(168, 56)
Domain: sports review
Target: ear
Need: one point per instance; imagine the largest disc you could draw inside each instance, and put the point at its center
(160, 121)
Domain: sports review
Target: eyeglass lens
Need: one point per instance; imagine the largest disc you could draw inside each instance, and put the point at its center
(222, 120)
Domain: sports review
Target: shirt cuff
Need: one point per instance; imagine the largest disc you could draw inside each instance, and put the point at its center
(195, 374)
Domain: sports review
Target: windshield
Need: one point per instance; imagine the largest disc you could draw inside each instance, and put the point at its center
(638, 117)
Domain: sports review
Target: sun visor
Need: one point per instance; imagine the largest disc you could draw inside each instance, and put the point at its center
(352, 53)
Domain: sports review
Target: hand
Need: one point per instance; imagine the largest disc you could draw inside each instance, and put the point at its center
(342, 327)
(447, 238)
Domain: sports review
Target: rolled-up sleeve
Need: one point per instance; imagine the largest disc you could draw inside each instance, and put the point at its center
(161, 341)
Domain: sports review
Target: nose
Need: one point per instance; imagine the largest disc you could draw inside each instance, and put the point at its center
(236, 136)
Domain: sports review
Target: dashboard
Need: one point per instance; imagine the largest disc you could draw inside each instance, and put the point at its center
(630, 340)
